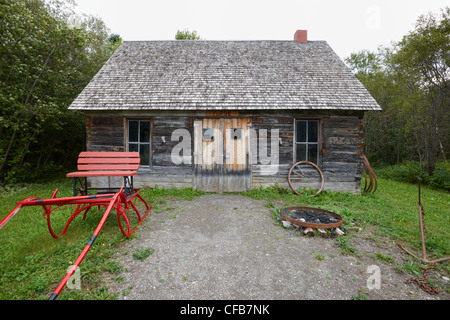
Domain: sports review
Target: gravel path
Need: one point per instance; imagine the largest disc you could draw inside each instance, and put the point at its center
(229, 247)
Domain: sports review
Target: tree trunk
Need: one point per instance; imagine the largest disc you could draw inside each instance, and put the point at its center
(7, 150)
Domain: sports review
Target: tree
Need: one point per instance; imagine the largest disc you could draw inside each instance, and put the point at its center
(384, 137)
(45, 62)
(187, 35)
(411, 82)
(115, 40)
(424, 56)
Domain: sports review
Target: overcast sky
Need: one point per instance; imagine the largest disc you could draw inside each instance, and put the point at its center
(347, 25)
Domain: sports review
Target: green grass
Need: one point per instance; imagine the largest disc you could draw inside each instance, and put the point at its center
(392, 210)
(32, 263)
(143, 253)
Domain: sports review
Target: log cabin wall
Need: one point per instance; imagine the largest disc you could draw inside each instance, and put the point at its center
(340, 148)
(340, 145)
(104, 133)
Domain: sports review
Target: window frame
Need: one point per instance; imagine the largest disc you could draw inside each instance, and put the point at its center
(318, 143)
(139, 143)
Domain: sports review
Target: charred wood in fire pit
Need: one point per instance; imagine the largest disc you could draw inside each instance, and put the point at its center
(311, 217)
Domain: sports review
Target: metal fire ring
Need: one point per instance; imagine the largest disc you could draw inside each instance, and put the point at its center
(285, 211)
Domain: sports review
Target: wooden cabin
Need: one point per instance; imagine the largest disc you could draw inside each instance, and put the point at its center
(228, 115)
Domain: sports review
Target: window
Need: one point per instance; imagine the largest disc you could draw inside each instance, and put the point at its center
(139, 139)
(307, 140)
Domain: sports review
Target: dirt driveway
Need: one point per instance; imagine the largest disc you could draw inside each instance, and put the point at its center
(229, 247)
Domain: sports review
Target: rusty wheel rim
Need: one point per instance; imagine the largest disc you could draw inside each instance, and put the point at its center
(296, 173)
(285, 215)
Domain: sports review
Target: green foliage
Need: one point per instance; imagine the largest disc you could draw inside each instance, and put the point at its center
(187, 35)
(360, 296)
(411, 171)
(384, 258)
(113, 267)
(392, 210)
(115, 40)
(33, 263)
(411, 82)
(364, 63)
(157, 193)
(46, 59)
(143, 253)
(346, 248)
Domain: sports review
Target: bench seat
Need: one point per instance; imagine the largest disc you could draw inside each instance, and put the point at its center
(105, 164)
(81, 174)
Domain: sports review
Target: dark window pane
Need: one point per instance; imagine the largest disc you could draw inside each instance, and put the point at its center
(312, 153)
(301, 131)
(145, 154)
(313, 133)
(236, 133)
(145, 131)
(133, 131)
(301, 152)
(133, 147)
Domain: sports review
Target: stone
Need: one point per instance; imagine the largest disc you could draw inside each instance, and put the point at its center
(287, 224)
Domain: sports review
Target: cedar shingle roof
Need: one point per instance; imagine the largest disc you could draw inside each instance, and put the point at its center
(224, 75)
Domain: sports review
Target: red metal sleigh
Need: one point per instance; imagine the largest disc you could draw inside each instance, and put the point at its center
(123, 200)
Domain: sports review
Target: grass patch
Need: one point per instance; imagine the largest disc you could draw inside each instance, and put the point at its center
(32, 262)
(143, 253)
(157, 193)
(384, 258)
(392, 209)
(346, 248)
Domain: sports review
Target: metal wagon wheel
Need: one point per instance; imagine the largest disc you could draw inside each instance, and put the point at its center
(303, 173)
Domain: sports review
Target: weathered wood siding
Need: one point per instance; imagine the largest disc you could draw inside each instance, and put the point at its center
(342, 157)
(339, 158)
(163, 172)
(263, 125)
(104, 133)
(340, 146)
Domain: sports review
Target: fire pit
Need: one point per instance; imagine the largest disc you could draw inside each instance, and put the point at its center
(311, 217)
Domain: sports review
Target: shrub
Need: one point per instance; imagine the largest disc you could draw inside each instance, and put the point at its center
(411, 171)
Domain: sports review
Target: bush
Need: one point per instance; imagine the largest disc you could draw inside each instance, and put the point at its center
(440, 178)
(411, 171)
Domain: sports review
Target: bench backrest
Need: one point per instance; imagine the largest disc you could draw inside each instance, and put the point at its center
(108, 161)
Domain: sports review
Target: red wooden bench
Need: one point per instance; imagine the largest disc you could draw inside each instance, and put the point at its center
(105, 164)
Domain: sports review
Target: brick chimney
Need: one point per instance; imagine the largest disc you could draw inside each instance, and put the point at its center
(301, 36)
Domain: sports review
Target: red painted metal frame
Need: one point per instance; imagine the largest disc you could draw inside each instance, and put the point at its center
(119, 201)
